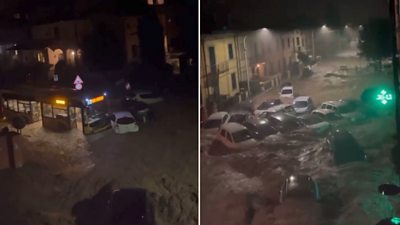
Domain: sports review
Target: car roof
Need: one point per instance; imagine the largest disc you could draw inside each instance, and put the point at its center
(287, 88)
(283, 117)
(277, 107)
(302, 98)
(256, 121)
(217, 115)
(233, 127)
(334, 103)
(323, 111)
(123, 114)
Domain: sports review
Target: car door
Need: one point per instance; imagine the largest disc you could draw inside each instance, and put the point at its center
(230, 142)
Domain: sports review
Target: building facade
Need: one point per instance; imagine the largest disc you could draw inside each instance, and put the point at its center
(237, 65)
(219, 72)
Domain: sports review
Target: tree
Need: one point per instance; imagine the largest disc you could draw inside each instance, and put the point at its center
(375, 40)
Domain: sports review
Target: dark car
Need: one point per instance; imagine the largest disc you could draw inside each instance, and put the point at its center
(344, 147)
(268, 104)
(285, 123)
(238, 117)
(128, 206)
(259, 128)
(299, 186)
(140, 110)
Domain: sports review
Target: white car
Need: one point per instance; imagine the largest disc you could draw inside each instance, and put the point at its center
(349, 109)
(235, 136)
(287, 95)
(303, 104)
(124, 122)
(147, 97)
(210, 127)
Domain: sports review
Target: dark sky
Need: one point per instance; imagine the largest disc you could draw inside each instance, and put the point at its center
(256, 13)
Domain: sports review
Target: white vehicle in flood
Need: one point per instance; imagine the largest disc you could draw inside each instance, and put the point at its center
(235, 136)
(287, 95)
(303, 104)
(124, 122)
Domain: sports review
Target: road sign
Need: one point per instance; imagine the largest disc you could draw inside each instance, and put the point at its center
(384, 97)
(78, 82)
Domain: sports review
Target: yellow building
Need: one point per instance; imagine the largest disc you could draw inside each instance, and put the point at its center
(219, 71)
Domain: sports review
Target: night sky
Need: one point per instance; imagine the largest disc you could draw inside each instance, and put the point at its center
(252, 14)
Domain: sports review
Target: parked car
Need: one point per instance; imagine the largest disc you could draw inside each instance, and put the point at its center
(349, 109)
(147, 97)
(266, 105)
(235, 136)
(283, 108)
(303, 104)
(285, 123)
(214, 121)
(328, 115)
(140, 110)
(238, 116)
(315, 123)
(299, 186)
(344, 147)
(287, 95)
(124, 122)
(259, 128)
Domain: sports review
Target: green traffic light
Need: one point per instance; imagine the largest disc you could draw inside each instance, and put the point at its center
(395, 220)
(384, 97)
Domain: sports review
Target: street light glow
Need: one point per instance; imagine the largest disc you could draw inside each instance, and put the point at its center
(324, 26)
(347, 26)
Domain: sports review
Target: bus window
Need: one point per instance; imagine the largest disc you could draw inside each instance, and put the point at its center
(47, 110)
(13, 105)
(60, 113)
(5, 104)
(24, 106)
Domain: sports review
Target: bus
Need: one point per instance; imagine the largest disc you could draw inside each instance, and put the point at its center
(59, 109)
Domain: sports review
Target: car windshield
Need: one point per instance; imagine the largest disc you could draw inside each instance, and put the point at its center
(209, 124)
(241, 136)
(286, 92)
(300, 104)
(265, 105)
(238, 118)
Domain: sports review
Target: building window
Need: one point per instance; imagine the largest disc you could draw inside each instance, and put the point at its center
(288, 42)
(294, 46)
(283, 43)
(302, 42)
(234, 82)
(134, 51)
(230, 51)
(150, 2)
(299, 48)
(160, 2)
(298, 41)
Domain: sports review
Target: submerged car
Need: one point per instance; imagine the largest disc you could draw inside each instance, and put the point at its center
(147, 97)
(235, 136)
(303, 104)
(287, 95)
(344, 147)
(266, 105)
(124, 122)
(140, 110)
(299, 186)
(214, 122)
(282, 108)
(315, 123)
(259, 128)
(348, 109)
(285, 123)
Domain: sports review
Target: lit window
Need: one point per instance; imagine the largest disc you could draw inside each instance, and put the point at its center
(150, 2)
(160, 2)
(16, 52)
